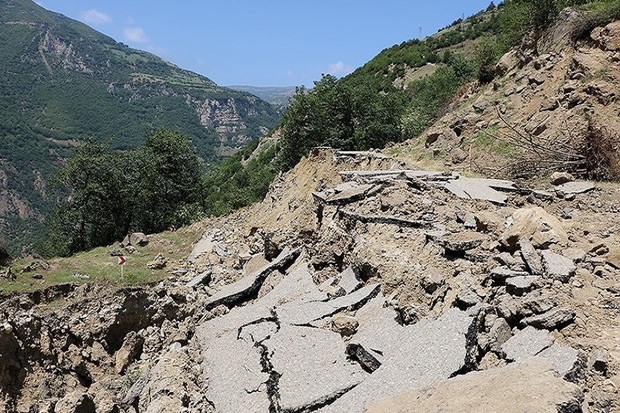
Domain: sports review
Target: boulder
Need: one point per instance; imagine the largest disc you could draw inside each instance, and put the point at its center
(552, 319)
(158, 263)
(531, 257)
(558, 267)
(537, 225)
(559, 178)
(344, 325)
(76, 402)
(608, 37)
(526, 343)
(129, 351)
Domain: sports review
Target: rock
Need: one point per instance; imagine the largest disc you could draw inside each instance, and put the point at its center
(613, 257)
(608, 38)
(520, 387)
(531, 257)
(158, 263)
(171, 385)
(129, 351)
(563, 32)
(255, 263)
(365, 358)
(526, 343)
(501, 274)
(311, 368)
(467, 298)
(522, 284)
(460, 242)
(507, 62)
(76, 402)
(558, 267)
(469, 220)
(566, 361)
(201, 279)
(536, 225)
(138, 239)
(552, 319)
(344, 325)
(537, 304)
(599, 363)
(559, 178)
(499, 333)
(8, 274)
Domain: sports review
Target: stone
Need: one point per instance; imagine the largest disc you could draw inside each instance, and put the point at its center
(76, 402)
(499, 333)
(201, 279)
(522, 284)
(255, 263)
(461, 241)
(553, 319)
(537, 304)
(366, 359)
(520, 387)
(613, 257)
(311, 367)
(244, 288)
(158, 263)
(574, 188)
(344, 325)
(608, 37)
(501, 274)
(559, 178)
(537, 225)
(531, 257)
(566, 361)
(526, 343)
(558, 267)
(129, 351)
(467, 298)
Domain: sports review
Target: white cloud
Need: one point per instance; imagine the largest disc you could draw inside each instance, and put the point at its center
(94, 16)
(135, 35)
(289, 73)
(338, 68)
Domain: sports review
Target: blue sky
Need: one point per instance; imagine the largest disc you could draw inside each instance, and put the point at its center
(266, 42)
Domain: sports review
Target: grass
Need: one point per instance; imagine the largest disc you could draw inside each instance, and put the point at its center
(97, 266)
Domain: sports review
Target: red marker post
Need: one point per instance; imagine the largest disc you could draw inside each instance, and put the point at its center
(122, 261)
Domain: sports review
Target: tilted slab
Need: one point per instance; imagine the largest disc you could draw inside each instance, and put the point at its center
(247, 286)
(470, 188)
(312, 366)
(304, 313)
(431, 350)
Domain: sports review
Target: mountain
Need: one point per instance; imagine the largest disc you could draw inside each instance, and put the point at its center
(62, 82)
(274, 95)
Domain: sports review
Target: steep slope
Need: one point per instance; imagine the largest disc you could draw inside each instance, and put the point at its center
(552, 107)
(63, 82)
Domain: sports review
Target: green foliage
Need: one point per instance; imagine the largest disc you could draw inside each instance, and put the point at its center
(112, 192)
(431, 95)
(63, 83)
(231, 185)
(341, 115)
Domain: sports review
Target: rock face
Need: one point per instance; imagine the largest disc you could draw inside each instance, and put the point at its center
(533, 388)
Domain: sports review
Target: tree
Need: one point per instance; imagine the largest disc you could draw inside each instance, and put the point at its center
(167, 186)
(97, 210)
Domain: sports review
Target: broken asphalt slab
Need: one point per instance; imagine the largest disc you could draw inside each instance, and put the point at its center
(244, 289)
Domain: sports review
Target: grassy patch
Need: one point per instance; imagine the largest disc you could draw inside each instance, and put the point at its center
(97, 266)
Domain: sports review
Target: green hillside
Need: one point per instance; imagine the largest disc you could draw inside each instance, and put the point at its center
(62, 82)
